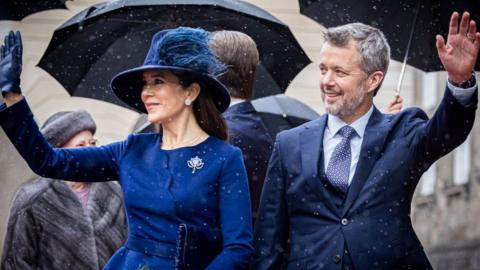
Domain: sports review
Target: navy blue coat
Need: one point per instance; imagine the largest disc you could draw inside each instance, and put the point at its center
(203, 185)
(374, 223)
(247, 131)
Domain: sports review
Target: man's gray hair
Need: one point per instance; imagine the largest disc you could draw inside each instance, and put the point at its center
(371, 44)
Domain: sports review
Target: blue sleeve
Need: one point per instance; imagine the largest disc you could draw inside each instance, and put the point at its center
(449, 127)
(74, 164)
(235, 216)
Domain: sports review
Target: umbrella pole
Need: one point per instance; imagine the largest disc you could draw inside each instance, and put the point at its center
(404, 65)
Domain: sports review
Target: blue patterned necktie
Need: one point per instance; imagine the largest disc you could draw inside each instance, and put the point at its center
(338, 170)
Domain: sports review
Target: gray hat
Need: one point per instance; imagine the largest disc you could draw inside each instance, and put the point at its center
(62, 126)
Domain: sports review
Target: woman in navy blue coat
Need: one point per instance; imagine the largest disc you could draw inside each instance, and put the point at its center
(187, 174)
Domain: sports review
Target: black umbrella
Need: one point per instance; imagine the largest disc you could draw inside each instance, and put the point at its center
(16, 10)
(93, 46)
(281, 112)
(410, 26)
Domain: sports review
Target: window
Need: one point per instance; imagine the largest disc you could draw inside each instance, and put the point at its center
(461, 163)
(427, 183)
(429, 93)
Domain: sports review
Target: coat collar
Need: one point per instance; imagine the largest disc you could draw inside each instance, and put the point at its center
(61, 187)
(240, 108)
(311, 146)
(334, 124)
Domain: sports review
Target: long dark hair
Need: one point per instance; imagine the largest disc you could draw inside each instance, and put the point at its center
(206, 113)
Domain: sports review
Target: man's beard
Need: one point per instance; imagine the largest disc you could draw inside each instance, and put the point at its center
(347, 107)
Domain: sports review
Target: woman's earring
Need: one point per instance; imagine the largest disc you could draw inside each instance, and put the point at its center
(188, 102)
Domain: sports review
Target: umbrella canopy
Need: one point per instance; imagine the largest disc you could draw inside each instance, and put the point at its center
(284, 105)
(396, 19)
(281, 112)
(90, 48)
(16, 10)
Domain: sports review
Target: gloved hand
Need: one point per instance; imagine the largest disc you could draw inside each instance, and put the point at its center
(11, 63)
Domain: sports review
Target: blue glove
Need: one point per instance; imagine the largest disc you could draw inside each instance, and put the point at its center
(11, 63)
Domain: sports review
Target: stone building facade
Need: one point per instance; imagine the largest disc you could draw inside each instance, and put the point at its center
(446, 206)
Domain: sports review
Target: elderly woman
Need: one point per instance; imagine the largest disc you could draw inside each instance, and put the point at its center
(93, 224)
(187, 176)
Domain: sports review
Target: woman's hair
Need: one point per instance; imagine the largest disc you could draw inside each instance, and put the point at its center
(206, 113)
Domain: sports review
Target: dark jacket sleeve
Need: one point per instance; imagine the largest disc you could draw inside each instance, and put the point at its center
(20, 250)
(447, 129)
(74, 164)
(271, 230)
(235, 216)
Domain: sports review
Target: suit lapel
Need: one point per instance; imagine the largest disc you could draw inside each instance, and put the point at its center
(311, 142)
(373, 142)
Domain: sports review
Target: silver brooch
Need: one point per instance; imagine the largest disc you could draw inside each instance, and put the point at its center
(195, 163)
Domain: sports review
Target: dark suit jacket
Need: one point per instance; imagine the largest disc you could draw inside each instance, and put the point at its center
(247, 131)
(374, 223)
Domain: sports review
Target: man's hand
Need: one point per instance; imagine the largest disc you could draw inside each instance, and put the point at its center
(459, 54)
(395, 106)
(11, 63)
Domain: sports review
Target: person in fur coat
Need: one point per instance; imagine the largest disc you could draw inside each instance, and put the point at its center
(60, 224)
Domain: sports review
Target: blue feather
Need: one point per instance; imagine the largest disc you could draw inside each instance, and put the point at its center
(189, 48)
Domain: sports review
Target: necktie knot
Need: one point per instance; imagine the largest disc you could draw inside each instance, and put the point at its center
(347, 132)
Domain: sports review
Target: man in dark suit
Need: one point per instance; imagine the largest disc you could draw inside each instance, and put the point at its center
(245, 127)
(338, 189)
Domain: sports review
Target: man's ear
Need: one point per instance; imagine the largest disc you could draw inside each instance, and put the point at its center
(374, 80)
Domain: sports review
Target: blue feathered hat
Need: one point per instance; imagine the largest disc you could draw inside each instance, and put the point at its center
(184, 49)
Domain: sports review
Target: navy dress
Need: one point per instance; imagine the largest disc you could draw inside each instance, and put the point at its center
(203, 185)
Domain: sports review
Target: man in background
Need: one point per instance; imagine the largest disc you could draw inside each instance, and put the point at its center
(245, 127)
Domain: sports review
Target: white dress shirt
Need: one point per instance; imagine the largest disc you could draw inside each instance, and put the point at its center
(234, 101)
(331, 138)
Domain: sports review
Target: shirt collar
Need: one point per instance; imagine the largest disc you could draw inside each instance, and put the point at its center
(236, 101)
(334, 123)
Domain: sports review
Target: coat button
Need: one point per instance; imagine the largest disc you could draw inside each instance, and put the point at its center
(337, 258)
(344, 221)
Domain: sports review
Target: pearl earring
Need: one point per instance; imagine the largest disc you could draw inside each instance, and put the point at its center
(188, 102)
